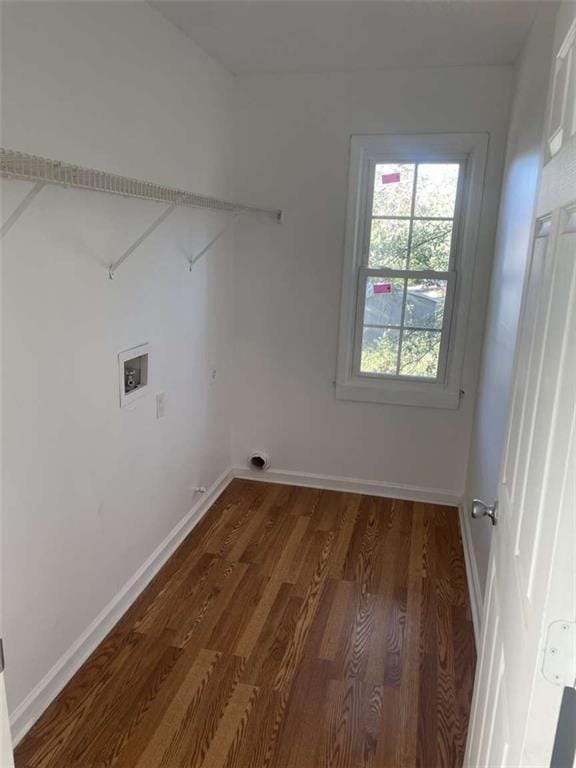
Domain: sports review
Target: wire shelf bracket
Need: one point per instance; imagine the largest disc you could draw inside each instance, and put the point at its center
(15, 215)
(42, 171)
(164, 215)
(155, 224)
(229, 224)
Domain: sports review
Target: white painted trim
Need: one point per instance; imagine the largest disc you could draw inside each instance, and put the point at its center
(406, 393)
(472, 577)
(30, 709)
(471, 148)
(351, 485)
(6, 756)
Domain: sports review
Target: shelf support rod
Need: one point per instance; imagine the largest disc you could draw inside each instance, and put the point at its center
(209, 245)
(15, 215)
(156, 223)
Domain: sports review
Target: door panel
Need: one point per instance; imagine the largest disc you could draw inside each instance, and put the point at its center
(551, 438)
(549, 412)
(520, 395)
(535, 307)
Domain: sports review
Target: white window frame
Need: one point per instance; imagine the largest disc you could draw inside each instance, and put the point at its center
(468, 149)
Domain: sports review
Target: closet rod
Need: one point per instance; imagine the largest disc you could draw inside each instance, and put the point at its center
(19, 165)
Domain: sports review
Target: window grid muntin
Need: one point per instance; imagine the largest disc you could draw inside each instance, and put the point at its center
(414, 218)
(405, 291)
(400, 328)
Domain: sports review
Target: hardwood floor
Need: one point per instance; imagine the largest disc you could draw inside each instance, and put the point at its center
(293, 628)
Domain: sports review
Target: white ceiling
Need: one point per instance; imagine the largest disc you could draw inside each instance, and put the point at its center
(274, 36)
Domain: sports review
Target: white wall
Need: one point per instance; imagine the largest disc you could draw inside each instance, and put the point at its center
(523, 161)
(91, 490)
(293, 135)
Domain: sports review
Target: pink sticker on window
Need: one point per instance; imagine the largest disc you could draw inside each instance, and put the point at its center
(383, 288)
(390, 178)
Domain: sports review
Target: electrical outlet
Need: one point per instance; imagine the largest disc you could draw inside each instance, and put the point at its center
(213, 374)
(160, 405)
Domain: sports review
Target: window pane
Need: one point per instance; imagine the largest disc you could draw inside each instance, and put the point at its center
(393, 186)
(425, 304)
(380, 350)
(431, 244)
(436, 189)
(420, 351)
(389, 243)
(384, 297)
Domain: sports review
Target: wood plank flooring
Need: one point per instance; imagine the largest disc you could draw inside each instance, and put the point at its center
(293, 628)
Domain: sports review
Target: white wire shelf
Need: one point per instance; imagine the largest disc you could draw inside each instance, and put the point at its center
(42, 171)
(19, 165)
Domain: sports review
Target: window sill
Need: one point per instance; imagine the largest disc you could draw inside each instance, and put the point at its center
(419, 395)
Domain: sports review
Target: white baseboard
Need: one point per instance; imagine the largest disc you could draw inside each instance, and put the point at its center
(471, 572)
(30, 709)
(351, 485)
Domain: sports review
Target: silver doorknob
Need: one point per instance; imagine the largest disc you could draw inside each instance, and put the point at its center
(481, 509)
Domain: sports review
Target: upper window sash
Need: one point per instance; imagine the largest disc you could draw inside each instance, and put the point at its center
(367, 203)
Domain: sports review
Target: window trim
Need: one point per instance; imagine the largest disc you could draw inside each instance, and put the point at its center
(470, 149)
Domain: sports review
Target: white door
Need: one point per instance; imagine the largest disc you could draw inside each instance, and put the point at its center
(532, 572)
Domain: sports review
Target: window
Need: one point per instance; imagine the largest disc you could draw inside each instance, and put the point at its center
(412, 222)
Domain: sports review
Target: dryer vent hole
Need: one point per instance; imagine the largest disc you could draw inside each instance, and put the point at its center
(259, 461)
